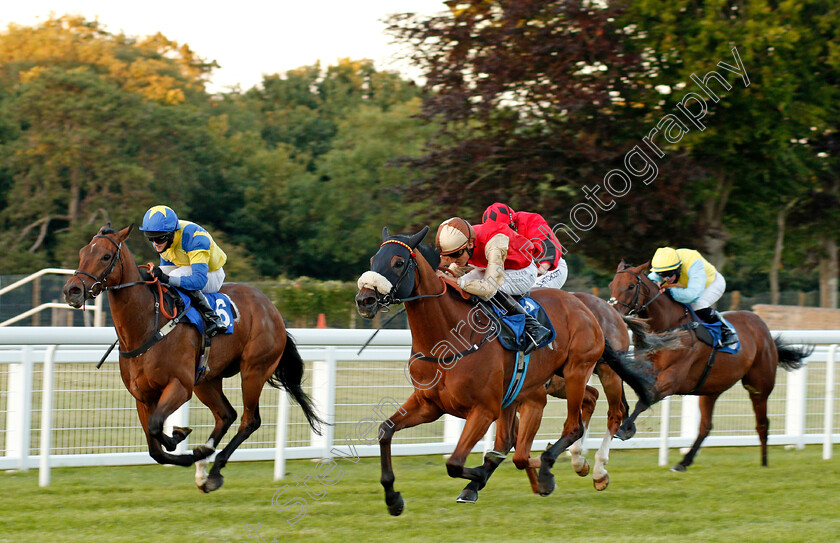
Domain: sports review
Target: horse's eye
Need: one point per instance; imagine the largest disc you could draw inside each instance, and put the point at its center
(106, 258)
(399, 264)
(631, 287)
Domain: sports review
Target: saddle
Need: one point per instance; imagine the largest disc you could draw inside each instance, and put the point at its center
(710, 334)
(511, 328)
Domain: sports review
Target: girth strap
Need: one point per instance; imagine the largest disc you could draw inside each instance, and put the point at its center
(517, 379)
(706, 370)
(158, 336)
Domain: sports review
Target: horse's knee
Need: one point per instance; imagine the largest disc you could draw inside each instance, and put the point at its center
(158, 455)
(520, 463)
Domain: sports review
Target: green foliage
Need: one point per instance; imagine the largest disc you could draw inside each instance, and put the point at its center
(301, 300)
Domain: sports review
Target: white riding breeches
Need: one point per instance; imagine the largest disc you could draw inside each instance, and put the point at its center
(555, 278)
(710, 294)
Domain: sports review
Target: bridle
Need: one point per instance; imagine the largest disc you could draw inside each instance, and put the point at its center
(634, 308)
(384, 300)
(103, 277)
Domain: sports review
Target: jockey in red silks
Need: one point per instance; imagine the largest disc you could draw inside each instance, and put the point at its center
(546, 248)
(501, 265)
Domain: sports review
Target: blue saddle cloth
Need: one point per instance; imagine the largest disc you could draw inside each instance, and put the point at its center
(715, 330)
(512, 333)
(220, 302)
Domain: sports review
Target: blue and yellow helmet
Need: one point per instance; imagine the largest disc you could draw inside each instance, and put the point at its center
(158, 220)
(665, 259)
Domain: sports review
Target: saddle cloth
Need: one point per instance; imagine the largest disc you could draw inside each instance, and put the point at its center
(218, 301)
(512, 327)
(710, 333)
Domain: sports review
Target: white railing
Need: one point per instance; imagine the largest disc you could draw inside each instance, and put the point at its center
(353, 392)
(96, 307)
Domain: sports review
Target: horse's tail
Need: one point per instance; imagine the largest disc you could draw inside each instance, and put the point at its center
(791, 357)
(289, 375)
(634, 369)
(646, 340)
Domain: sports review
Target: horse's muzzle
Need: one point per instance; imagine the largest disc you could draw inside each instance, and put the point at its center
(366, 303)
(74, 294)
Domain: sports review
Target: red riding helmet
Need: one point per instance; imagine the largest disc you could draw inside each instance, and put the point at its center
(499, 212)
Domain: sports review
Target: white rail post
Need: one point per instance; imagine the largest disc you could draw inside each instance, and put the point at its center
(281, 436)
(690, 419)
(323, 394)
(828, 419)
(19, 414)
(98, 313)
(46, 417)
(664, 430)
(452, 427)
(797, 382)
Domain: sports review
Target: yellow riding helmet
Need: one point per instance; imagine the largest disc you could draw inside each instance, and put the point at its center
(665, 259)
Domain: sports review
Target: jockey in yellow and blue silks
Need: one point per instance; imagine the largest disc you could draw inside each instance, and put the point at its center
(691, 279)
(189, 259)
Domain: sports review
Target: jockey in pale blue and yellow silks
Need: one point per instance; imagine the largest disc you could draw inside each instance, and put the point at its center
(189, 259)
(690, 279)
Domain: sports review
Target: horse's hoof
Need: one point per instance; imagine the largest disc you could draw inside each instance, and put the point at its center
(601, 484)
(467, 495)
(584, 471)
(180, 433)
(679, 467)
(546, 484)
(625, 433)
(213, 482)
(396, 504)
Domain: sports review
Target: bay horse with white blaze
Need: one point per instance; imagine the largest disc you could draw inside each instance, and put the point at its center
(470, 384)
(162, 378)
(687, 371)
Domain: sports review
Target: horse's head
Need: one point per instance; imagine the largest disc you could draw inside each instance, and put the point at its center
(391, 277)
(630, 290)
(97, 266)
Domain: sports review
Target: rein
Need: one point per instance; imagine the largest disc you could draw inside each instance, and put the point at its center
(632, 306)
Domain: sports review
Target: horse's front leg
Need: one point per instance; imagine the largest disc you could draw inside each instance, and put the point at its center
(505, 438)
(414, 411)
(155, 450)
(174, 395)
(478, 422)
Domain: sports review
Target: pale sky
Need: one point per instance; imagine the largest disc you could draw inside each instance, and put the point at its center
(247, 38)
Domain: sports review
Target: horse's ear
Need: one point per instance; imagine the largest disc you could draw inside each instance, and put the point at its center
(385, 234)
(621, 265)
(643, 268)
(415, 240)
(123, 234)
(106, 228)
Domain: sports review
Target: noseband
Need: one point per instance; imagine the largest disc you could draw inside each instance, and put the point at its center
(103, 277)
(634, 308)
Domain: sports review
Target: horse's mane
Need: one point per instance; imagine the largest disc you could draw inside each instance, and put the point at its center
(107, 230)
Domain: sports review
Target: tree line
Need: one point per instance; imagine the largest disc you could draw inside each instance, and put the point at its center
(535, 103)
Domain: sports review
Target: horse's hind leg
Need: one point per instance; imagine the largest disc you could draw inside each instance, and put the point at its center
(707, 405)
(413, 412)
(530, 418)
(210, 393)
(579, 462)
(252, 384)
(617, 410)
(762, 423)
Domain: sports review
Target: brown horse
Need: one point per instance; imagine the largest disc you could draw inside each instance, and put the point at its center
(685, 371)
(617, 332)
(162, 378)
(470, 382)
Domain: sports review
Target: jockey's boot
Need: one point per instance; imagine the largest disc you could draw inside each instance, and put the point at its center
(535, 332)
(213, 323)
(710, 316)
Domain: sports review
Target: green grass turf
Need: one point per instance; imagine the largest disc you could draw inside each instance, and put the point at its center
(726, 496)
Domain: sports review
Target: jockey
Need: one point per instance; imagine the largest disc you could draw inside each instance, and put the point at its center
(189, 259)
(502, 266)
(548, 252)
(691, 279)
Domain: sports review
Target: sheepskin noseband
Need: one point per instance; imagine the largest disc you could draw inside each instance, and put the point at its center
(374, 281)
